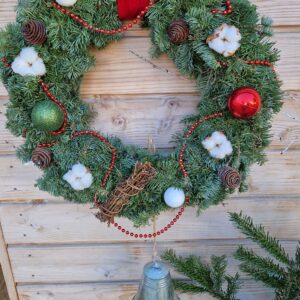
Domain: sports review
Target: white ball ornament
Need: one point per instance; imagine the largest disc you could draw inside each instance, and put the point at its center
(174, 197)
(66, 3)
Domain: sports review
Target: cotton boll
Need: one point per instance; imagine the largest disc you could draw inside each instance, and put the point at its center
(77, 185)
(39, 68)
(87, 180)
(29, 54)
(220, 147)
(232, 34)
(231, 48)
(79, 169)
(66, 3)
(28, 63)
(209, 143)
(217, 153)
(218, 45)
(227, 148)
(18, 64)
(225, 40)
(218, 137)
(79, 177)
(69, 177)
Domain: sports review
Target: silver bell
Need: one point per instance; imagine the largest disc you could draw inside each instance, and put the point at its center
(156, 283)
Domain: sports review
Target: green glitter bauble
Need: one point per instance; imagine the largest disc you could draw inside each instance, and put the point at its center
(47, 116)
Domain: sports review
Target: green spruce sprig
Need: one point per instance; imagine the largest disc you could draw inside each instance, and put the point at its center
(277, 270)
(206, 278)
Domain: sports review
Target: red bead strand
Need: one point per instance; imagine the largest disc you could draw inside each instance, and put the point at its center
(106, 142)
(148, 235)
(77, 19)
(251, 62)
(225, 12)
(185, 173)
(260, 63)
(5, 63)
(47, 145)
(52, 98)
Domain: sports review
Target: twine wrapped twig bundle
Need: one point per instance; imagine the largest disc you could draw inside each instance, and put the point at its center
(135, 184)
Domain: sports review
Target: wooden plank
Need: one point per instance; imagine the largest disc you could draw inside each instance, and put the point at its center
(122, 291)
(117, 63)
(6, 267)
(71, 223)
(280, 174)
(20, 187)
(112, 262)
(134, 118)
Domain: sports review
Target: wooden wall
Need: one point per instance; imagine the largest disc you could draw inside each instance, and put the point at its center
(51, 249)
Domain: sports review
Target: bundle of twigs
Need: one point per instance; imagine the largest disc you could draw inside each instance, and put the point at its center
(142, 175)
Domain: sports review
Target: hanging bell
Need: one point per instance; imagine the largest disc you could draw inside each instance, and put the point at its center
(156, 283)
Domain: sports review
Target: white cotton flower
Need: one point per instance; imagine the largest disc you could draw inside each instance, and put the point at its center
(218, 145)
(80, 178)
(66, 2)
(219, 137)
(225, 40)
(209, 143)
(28, 63)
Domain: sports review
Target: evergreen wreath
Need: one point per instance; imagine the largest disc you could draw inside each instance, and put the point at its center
(224, 46)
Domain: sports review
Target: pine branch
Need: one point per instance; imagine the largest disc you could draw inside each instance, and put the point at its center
(206, 278)
(285, 278)
(263, 276)
(259, 236)
(261, 263)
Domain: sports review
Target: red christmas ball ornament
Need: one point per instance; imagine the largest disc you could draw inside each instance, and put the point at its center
(244, 103)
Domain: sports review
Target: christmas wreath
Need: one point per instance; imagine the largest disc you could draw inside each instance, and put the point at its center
(225, 46)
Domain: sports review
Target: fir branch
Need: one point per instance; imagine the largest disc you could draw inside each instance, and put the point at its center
(206, 278)
(259, 236)
(247, 256)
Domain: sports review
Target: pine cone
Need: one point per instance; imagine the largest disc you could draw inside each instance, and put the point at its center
(230, 177)
(178, 31)
(34, 32)
(41, 157)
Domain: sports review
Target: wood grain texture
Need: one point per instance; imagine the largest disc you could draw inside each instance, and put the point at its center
(66, 223)
(112, 262)
(119, 291)
(134, 118)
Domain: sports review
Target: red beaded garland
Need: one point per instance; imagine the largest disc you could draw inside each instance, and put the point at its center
(47, 145)
(153, 234)
(227, 11)
(101, 30)
(107, 143)
(182, 166)
(244, 103)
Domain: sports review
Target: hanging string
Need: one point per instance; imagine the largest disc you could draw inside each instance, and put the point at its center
(154, 251)
(129, 9)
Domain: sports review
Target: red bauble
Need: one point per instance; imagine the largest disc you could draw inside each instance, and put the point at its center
(129, 9)
(244, 103)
